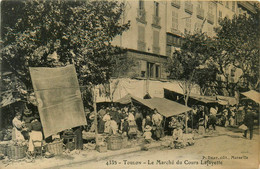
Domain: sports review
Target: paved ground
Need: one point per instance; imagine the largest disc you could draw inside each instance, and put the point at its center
(225, 149)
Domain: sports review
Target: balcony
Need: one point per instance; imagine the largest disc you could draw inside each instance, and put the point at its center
(141, 46)
(156, 22)
(188, 7)
(210, 18)
(200, 13)
(176, 3)
(141, 16)
(156, 50)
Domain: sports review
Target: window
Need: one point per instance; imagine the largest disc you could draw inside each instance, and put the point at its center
(150, 69)
(210, 8)
(156, 38)
(141, 39)
(199, 4)
(168, 50)
(157, 71)
(233, 6)
(175, 20)
(188, 24)
(227, 4)
(141, 4)
(156, 9)
(141, 33)
(220, 14)
(198, 27)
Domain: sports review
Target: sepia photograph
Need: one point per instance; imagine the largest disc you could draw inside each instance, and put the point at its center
(129, 84)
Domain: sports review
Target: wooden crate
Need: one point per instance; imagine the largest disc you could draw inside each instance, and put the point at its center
(101, 148)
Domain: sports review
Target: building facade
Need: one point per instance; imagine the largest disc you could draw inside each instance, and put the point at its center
(157, 28)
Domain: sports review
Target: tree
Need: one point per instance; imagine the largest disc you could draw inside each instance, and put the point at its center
(192, 64)
(237, 44)
(57, 33)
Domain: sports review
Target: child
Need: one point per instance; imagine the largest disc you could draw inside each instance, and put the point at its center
(147, 134)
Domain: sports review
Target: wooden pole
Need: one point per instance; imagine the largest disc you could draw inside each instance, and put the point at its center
(95, 112)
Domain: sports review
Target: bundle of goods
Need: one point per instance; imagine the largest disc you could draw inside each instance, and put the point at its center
(88, 135)
(188, 139)
(101, 147)
(16, 150)
(89, 146)
(114, 142)
(56, 147)
(178, 144)
(7, 135)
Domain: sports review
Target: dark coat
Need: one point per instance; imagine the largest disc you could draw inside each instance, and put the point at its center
(249, 119)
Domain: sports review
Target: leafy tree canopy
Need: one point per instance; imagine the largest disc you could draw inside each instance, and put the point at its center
(191, 64)
(55, 33)
(237, 43)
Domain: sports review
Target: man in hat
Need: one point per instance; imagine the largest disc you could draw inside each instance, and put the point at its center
(157, 121)
(249, 122)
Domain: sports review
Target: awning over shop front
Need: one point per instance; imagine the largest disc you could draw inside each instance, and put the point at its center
(204, 99)
(125, 100)
(165, 107)
(253, 95)
(225, 100)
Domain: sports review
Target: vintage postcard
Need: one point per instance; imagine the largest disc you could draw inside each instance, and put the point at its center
(129, 84)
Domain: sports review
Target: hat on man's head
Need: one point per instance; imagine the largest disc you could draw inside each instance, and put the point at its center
(178, 125)
(27, 112)
(148, 128)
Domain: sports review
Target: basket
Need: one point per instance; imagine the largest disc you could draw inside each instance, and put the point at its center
(114, 143)
(55, 148)
(124, 142)
(3, 149)
(16, 151)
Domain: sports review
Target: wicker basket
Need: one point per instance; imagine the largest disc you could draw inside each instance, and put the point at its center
(114, 143)
(124, 142)
(16, 151)
(55, 148)
(3, 149)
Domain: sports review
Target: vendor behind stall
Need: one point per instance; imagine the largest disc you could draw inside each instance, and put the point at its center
(18, 126)
(35, 135)
(157, 123)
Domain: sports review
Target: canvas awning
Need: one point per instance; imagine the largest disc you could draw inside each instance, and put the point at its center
(204, 99)
(253, 95)
(165, 107)
(225, 100)
(125, 100)
(58, 97)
